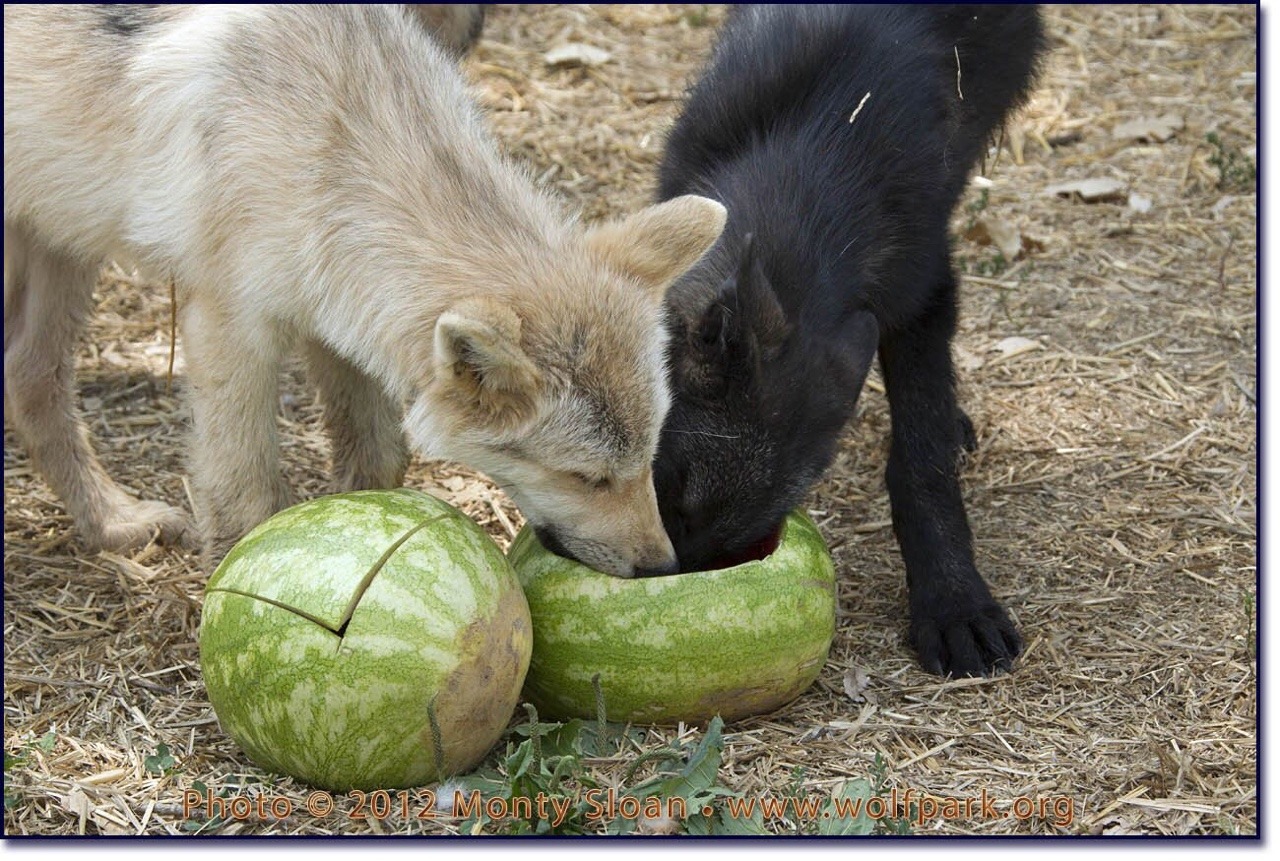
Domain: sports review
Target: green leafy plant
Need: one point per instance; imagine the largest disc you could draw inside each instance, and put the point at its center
(19, 760)
(697, 17)
(845, 813)
(540, 784)
(206, 826)
(1235, 169)
(991, 266)
(880, 784)
(161, 762)
(11, 793)
(975, 207)
(687, 791)
(682, 795)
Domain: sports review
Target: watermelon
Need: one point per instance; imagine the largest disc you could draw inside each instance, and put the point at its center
(370, 640)
(736, 641)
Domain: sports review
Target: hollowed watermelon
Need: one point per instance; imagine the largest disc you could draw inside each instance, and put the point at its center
(735, 641)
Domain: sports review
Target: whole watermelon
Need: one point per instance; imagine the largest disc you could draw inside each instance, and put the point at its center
(365, 640)
(735, 641)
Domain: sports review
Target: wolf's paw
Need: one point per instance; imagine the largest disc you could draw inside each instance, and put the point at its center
(228, 514)
(979, 640)
(212, 553)
(216, 547)
(134, 523)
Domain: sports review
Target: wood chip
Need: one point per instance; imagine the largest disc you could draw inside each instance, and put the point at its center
(1102, 189)
(1150, 129)
(576, 54)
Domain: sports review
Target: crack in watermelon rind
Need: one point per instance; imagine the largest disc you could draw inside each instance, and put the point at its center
(357, 593)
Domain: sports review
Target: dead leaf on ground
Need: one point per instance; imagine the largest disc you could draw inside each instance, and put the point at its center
(1015, 345)
(1216, 209)
(576, 54)
(1097, 190)
(965, 360)
(994, 231)
(1017, 137)
(1150, 129)
(453, 483)
(855, 682)
(1139, 203)
(77, 804)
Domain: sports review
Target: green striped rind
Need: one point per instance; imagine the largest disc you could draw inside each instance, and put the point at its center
(335, 539)
(442, 627)
(732, 642)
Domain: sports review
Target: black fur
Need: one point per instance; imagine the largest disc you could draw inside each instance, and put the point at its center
(837, 247)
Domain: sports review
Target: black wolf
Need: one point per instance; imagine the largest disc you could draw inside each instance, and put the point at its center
(840, 139)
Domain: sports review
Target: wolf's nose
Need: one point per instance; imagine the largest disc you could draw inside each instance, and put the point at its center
(672, 567)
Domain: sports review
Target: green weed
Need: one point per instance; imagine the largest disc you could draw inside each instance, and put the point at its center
(1236, 171)
(160, 763)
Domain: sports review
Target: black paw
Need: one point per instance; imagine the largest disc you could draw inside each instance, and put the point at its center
(979, 642)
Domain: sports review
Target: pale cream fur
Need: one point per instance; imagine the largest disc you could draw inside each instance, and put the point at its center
(316, 177)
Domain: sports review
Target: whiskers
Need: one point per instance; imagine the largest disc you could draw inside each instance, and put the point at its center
(704, 433)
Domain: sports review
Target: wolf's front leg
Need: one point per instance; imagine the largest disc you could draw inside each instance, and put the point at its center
(233, 366)
(362, 421)
(957, 628)
(47, 297)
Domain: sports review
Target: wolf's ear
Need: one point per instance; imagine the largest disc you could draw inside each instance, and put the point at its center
(760, 309)
(712, 334)
(481, 364)
(660, 243)
(745, 313)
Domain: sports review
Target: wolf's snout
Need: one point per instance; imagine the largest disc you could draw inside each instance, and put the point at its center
(651, 562)
(658, 559)
(549, 540)
(594, 554)
(672, 567)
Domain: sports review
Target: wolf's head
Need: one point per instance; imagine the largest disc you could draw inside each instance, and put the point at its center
(558, 390)
(758, 403)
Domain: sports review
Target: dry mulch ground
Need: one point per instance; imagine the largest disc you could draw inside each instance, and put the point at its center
(1109, 368)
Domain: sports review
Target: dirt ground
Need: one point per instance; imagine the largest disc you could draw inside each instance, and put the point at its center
(1107, 357)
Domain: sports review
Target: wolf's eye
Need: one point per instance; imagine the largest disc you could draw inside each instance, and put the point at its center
(591, 481)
